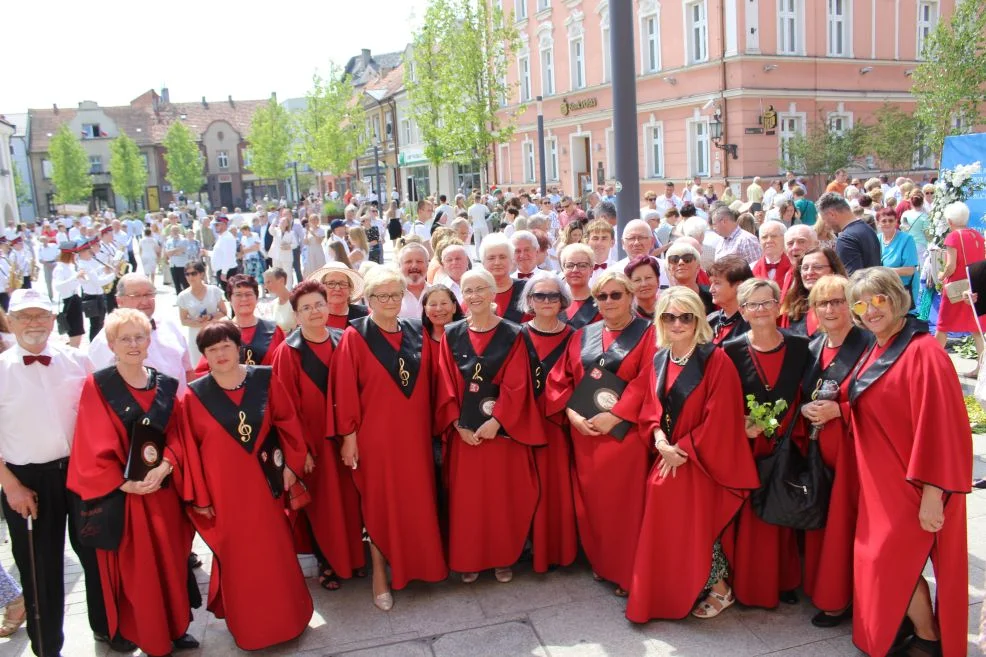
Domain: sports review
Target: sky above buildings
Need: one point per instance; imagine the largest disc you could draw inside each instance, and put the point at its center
(111, 51)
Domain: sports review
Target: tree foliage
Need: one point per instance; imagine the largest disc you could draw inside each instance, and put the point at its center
(186, 165)
(823, 149)
(950, 84)
(127, 171)
(328, 129)
(270, 141)
(893, 138)
(70, 167)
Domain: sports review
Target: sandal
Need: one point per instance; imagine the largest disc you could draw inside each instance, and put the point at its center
(503, 575)
(706, 609)
(469, 578)
(596, 577)
(10, 623)
(620, 593)
(329, 580)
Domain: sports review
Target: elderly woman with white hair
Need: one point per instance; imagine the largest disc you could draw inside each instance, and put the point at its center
(963, 246)
(546, 335)
(684, 263)
(485, 392)
(496, 254)
(698, 229)
(915, 465)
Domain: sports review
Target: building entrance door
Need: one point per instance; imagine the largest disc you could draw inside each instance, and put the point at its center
(226, 194)
(581, 165)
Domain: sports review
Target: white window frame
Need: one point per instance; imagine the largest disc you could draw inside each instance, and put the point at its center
(699, 136)
(650, 40)
(654, 149)
(406, 131)
(785, 133)
(840, 122)
(222, 160)
(503, 164)
(790, 27)
(520, 10)
(47, 169)
(543, 4)
(528, 160)
(547, 67)
(96, 164)
(524, 76)
(576, 55)
(551, 157)
(605, 41)
(926, 25)
(697, 31)
(838, 25)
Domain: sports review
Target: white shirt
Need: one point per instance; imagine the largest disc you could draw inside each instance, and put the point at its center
(224, 253)
(284, 316)
(167, 353)
(444, 279)
(411, 307)
(663, 203)
(447, 213)
(477, 216)
(37, 415)
(96, 276)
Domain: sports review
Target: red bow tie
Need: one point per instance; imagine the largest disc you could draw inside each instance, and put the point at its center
(521, 275)
(44, 360)
(771, 267)
(602, 266)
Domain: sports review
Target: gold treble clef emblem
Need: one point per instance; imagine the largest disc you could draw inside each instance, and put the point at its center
(248, 357)
(477, 375)
(403, 373)
(244, 429)
(537, 378)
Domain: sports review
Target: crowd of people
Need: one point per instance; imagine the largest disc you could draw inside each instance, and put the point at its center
(508, 387)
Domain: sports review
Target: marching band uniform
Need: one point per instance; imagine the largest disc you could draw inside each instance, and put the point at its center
(93, 299)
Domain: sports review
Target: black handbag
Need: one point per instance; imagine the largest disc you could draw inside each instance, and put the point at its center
(62, 321)
(93, 306)
(99, 522)
(794, 489)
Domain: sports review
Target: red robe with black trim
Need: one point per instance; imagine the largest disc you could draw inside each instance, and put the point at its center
(555, 537)
(145, 580)
(493, 486)
(256, 582)
(609, 476)
(395, 474)
(900, 447)
(686, 513)
(762, 270)
(246, 337)
(333, 513)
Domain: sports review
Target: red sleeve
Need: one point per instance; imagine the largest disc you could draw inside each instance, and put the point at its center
(173, 445)
(285, 418)
(193, 488)
(516, 409)
(344, 381)
(448, 401)
(564, 376)
(98, 454)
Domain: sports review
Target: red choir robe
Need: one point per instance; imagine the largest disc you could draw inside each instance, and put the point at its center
(726, 328)
(899, 447)
(608, 475)
(493, 487)
(381, 385)
(144, 580)
(828, 551)
(555, 537)
(341, 322)
(257, 349)
(764, 557)
(762, 269)
(256, 582)
(581, 313)
(333, 514)
(699, 407)
(508, 302)
(807, 326)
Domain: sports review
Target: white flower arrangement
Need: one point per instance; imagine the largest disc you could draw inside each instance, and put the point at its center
(956, 184)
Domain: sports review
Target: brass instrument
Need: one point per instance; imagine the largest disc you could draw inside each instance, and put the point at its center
(15, 280)
(108, 288)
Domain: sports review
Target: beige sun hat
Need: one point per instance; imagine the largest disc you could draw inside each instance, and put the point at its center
(337, 267)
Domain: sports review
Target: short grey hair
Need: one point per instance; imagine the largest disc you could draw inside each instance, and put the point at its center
(540, 277)
(748, 287)
(725, 210)
(605, 209)
(494, 241)
(700, 202)
(776, 225)
(410, 246)
(682, 247)
(524, 235)
(130, 280)
(832, 201)
(455, 248)
(957, 214)
(695, 227)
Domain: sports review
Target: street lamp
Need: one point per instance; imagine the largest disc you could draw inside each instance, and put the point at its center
(715, 127)
(376, 165)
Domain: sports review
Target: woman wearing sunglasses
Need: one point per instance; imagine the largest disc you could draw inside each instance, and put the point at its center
(704, 470)
(915, 465)
(797, 315)
(834, 354)
(684, 263)
(199, 304)
(771, 365)
(554, 536)
(610, 472)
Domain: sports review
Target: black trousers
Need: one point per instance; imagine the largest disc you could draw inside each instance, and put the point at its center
(4, 301)
(55, 502)
(296, 263)
(178, 278)
(96, 321)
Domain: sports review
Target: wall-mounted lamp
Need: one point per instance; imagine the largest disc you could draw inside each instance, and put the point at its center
(670, 80)
(716, 127)
(767, 68)
(865, 70)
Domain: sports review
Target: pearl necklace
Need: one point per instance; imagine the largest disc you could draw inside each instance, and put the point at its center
(683, 359)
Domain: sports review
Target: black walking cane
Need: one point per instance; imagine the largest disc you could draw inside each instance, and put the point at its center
(34, 584)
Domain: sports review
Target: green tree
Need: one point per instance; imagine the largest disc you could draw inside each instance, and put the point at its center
(326, 138)
(270, 141)
(127, 170)
(823, 149)
(186, 165)
(21, 188)
(893, 138)
(950, 84)
(69, 167)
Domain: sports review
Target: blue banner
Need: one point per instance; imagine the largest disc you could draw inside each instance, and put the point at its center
(963, 150)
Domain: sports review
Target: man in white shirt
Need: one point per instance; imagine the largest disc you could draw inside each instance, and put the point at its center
(668, 200)
(444, 213)
(337, 235)
(525, 245)
(224, 253)
(455, 263)
(39, 402)
(477, 217)
(413, 263)
(422, 223)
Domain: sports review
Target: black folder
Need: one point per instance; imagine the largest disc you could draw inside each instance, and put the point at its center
(272, 463)
(146, 451)
(477, 404)
(598, 391)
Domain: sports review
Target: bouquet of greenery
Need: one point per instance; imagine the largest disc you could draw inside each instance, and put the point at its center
(765, 415)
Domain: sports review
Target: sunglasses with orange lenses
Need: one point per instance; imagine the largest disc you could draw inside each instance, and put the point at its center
(877, 301)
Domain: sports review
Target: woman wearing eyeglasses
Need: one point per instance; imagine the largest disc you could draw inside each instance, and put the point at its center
(796, 314)
(485, 393)
(576, 265)
(915, 465)
(609, 472)
(199, 304)
(834, 354)
(330, 526)
(345, 288)
(684, 263)
(554, 537)
(382, 393)
(771, 365)
(693, 409)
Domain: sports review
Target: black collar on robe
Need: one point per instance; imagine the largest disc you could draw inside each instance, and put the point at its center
(471, 365)
(841, 366)
(255, 352)
(513, 312)
(540, 368)
(586, 314)
(788, 384)
(592, 344)
(244, 421)
(311, 364)
(357, 311)
(117, 394)
(673, 399)
(718, 320)
(861, 382)
(404, 365)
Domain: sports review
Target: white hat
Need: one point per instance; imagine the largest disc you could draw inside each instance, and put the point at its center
(330, 267)
(25, 298)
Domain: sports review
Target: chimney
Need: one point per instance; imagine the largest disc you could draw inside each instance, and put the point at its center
(365, 57)
(165, 96)
(231, 101)
(54, 107)
(204, 104)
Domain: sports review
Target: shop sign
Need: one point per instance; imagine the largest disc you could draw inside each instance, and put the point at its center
(580, 104)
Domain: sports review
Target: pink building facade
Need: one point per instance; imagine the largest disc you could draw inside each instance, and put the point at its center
(768, 68)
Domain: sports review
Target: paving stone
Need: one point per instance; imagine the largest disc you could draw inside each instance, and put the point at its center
(512, 638)
(527, 591)
(404, 649)
(787, 625)
(434, 609)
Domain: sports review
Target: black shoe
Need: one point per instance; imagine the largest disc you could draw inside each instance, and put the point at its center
(904, 634)
(979, 483)
(117, 643)
(789, 597)
(186, 642)
(918, 647)
(821, 619)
